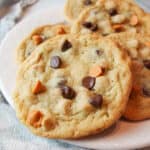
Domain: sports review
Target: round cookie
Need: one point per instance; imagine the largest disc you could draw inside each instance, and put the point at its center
(37, 37)
(113, 16)
(62, 95)
(138, 47)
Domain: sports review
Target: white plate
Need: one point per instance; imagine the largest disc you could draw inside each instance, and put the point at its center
(124, 135)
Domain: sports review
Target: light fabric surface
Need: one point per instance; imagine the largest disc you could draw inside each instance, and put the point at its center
(145, 4)
(13, 135)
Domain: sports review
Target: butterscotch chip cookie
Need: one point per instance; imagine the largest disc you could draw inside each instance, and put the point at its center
(113, 16)
(59, 94)
(37, 37)
(138, 47)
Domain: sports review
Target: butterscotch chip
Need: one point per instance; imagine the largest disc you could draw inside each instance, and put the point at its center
(37, 39)
(134, 20)
(96, 71)
(147, 44)
(118, 27)
(38, 88)
(48, 123)
(61, 30)
(35, 118)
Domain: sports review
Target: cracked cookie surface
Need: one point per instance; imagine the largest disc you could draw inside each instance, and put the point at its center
(60, 93)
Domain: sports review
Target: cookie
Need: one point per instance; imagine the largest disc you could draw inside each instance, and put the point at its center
(60, 93)
(73, 8)
(138, 47)
(37, 37)
(110, 17)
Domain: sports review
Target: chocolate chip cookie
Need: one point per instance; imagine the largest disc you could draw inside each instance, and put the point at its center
(37, 37)
(110, 17)
(73, 86)
(138, 47)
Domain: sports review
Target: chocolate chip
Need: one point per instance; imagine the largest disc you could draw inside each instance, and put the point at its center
(96, 100)
(105, 34)
(66, 45)
(87, 2)
(146, 63)
(113, 12)
(87, 25)
(94, 28)
(146, 92)
(62, 83)
(29, 53)
(88, 82)
(119, 30)
(90, 26)
(55, 62)
(99, 52)
(67, 92)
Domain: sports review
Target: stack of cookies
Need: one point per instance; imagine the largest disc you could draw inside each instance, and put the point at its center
(78, 80)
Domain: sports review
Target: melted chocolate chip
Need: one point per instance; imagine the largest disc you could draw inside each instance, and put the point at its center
(67, 92)
(90, 26)
(87, 2)
(146, 92)
(99, 52)
(88, 82)
(87, 25)
(66, 45)
(113, 12)
(94, 28)
(55, 62)
(146, 63)
(96, 100)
